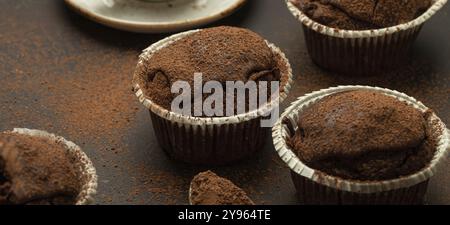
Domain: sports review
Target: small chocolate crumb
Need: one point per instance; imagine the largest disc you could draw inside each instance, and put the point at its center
(209, 189)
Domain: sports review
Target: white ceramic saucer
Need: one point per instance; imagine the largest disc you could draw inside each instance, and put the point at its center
(154, 16)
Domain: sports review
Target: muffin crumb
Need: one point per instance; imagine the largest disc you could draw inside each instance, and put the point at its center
(209, 189)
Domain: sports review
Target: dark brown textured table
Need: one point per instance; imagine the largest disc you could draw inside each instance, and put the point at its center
(62, 73)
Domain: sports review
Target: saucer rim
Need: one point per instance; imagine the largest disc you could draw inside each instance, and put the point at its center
(151, 27)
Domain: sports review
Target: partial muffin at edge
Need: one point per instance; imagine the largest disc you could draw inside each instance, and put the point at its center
(36, 170)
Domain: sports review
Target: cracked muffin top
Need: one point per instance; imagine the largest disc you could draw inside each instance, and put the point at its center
(221, 54)
(209, 189)
(364, 135)
(362, 14)
(36, 171)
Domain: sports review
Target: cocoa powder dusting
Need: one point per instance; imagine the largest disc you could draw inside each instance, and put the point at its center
(95, 100)
(220, 54)
(100, 105)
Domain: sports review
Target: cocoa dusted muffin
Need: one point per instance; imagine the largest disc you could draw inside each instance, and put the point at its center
(209, 189)
(36, 171)
(220, 54)
(362, 14)
(363, 135)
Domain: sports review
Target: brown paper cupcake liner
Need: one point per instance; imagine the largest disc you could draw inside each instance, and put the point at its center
(209, 141)
(88, 172)
(366, 52)
(315, 187)
(214, 144)
(311, 193)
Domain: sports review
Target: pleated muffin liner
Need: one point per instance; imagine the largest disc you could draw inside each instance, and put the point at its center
(208, 141)
(87, 169)
(315, 187)
(361, 52)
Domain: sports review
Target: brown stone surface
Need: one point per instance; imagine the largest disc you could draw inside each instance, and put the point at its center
(43, 41)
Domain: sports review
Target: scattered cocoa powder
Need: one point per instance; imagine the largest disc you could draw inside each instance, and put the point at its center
(158, 186)
(100, 105)
(93, 101)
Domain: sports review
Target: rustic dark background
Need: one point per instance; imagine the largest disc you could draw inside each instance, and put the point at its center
(55, 65)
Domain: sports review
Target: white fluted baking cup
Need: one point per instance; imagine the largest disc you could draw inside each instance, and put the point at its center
(190, 194)
(88, 172)
(339, 33)
(281, 132)
(199, 121)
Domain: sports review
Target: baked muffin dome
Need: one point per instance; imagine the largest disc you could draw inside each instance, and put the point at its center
(362, 14)
(220, 54)
(363, 135)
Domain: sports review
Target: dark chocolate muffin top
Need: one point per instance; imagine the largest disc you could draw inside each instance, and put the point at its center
(209, 189)
(220, 54)
(36, 171)
(363, 135)
(362, 14)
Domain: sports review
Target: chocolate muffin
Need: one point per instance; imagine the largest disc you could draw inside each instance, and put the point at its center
(362, 14)
(209, 189)
(36, 171)
(363, 135)
(221, 54)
